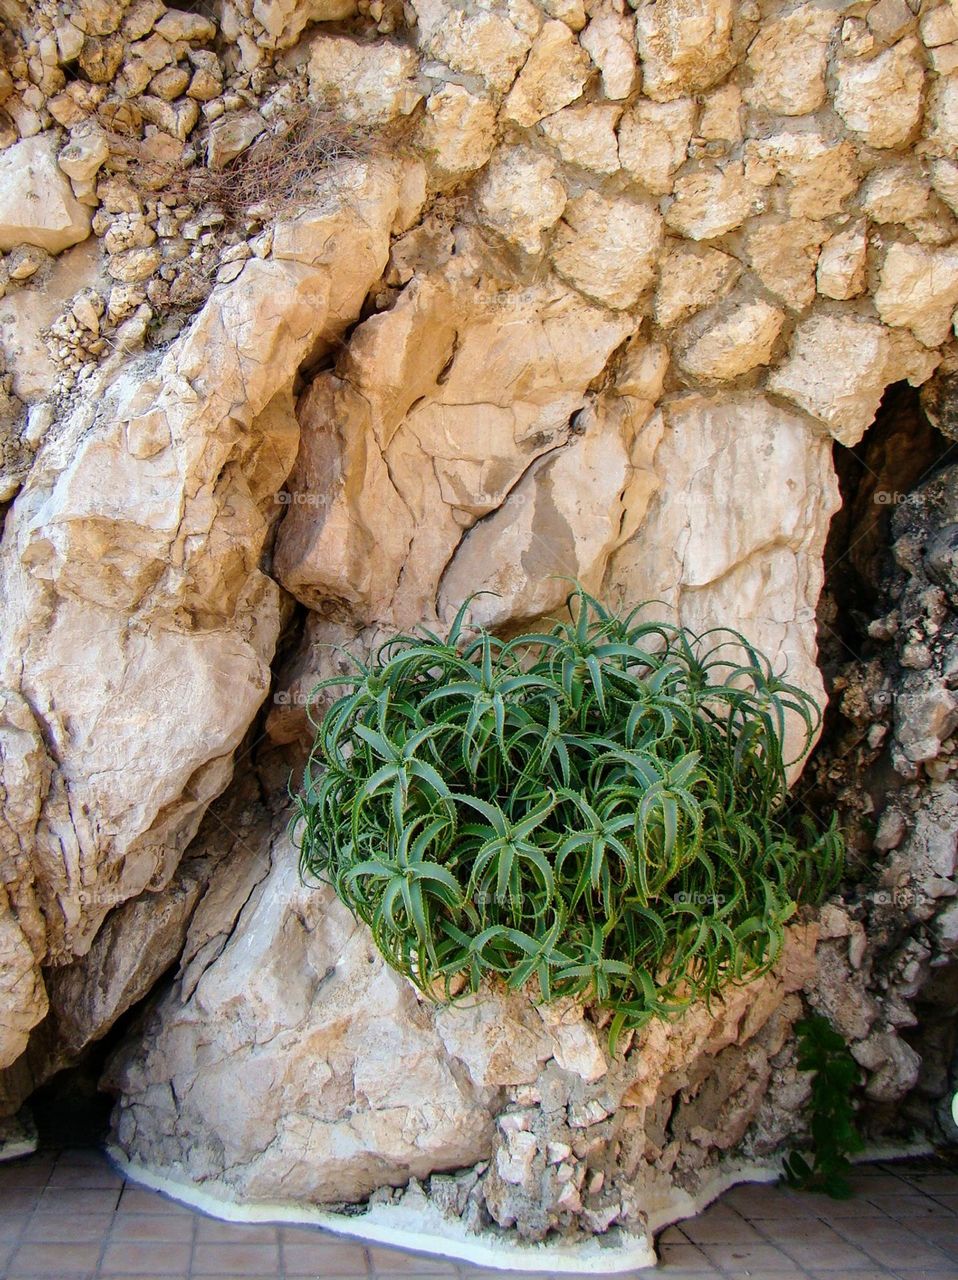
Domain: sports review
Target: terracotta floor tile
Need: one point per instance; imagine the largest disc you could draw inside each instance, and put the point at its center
(67, 1228)
(757, 1259)
(19, 1202)
(146, 1257)
(139, 1200)
(392, 1262)
(23, 1175)
(687, 1256)
(912, 1208)
(86, 1177)
(831, 1257)
(12, 1225)
(78, 1200)
(873, 1274)
(152, 1226)
(908, 1253)
(55, 1260)
(223, 1259)
(321, 1260)
(714, 1228)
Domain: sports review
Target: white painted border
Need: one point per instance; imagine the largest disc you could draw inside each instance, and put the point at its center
(23, 1136)
(15, 1148)
(426, 1230)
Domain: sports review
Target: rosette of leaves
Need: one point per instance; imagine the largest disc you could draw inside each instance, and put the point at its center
(599, 809)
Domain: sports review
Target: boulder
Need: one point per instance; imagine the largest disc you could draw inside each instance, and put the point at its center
(37, 204)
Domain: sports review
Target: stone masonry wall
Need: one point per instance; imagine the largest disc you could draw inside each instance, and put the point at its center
(318, 315)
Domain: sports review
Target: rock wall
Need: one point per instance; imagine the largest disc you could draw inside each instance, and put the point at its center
(319, 315)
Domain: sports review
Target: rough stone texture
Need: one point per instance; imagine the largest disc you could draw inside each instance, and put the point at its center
(562, 291)
(520, 197)
(756, 560)
(552, 77)
(788, 59)
(585, 136)
(919, 289)
(368, 84)
(459, 131)
(37, 204)
(721, 347)
(356, 1085)
(881, 99)
(608, 248)
(134, 509)
(685, 45)
(838, 366)
(653, 141)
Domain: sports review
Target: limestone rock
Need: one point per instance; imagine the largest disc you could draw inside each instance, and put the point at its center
(485, 43)
(691, 278)
(898, 193)
(83, 156)
(685, 45)
(752, 560)
(711, 201)
(723, 345)
(609, 40)
(653, 141)
(818, 174)
(37, 204)
(552, 77)
(721, 118)
(155, 495)
(347, 1085)
(783, 253)
(26, 315)
(458, 133)
(284, 20)
(231, 135)
(919, 289)
(369, 84)
(839, 365)
(411, 456)
(841, 264)
(520, 197)
(608, 248)
(561, 521)
(787, 61)
(23, 998)
(881, 100)
(585, 136)
(941, 125)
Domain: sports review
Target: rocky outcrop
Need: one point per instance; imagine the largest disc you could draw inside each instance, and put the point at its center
(350, 1082)
(366, 318)
(140, 528)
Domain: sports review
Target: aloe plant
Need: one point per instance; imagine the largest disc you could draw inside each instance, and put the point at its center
(600, 808)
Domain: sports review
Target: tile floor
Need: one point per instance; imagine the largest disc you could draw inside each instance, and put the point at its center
(68, 1215)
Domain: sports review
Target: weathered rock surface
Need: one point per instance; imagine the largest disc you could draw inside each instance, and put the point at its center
(152, 505)
(37, 204)
(527, 292)
(350, 1082)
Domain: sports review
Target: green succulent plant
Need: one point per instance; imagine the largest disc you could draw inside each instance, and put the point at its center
(600, 807)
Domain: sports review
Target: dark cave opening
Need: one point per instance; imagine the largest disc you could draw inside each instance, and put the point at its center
(866, 616)
(899, 450)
